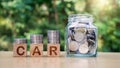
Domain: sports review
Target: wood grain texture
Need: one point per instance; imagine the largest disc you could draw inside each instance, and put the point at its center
(36, 50)
(20, 50)
(53, 50)
(103, 60)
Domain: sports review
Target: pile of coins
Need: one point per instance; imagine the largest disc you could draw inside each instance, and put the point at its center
(20, 40)
(91, 39)
(53, 36)
(81, 40)
(36, 38)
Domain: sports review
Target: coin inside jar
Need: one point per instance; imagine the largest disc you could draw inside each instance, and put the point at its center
(84, 48)
(73, 46)
(79, 34)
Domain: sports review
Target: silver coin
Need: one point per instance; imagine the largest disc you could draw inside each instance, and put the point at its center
(36, 38)
(73, 46)
(80, 34)
(84, 48)
(53, 36)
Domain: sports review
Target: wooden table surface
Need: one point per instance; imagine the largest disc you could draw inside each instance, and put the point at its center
(103, 60)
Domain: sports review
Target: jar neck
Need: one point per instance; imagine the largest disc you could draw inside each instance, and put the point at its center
(80, 19)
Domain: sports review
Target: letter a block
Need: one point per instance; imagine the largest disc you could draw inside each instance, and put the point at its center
(36, 50)
(20, 50)
(53, 49)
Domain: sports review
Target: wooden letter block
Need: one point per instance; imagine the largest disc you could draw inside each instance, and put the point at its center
(20, 50)
(36, 50)
(53, 49)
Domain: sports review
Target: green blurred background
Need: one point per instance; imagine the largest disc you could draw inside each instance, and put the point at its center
(20, 18)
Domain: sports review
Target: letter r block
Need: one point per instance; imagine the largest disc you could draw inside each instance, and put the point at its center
(53, 49)
(19, 50)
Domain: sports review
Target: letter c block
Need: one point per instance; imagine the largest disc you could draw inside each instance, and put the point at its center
(20, 50)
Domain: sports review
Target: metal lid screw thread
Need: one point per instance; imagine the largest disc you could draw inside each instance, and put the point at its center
(36, 38)
(53, 36)
(20, 41)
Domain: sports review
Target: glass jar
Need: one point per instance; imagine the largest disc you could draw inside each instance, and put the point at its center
(20, 47)
(81, 36)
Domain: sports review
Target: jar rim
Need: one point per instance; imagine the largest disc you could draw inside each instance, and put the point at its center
(80, 15)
